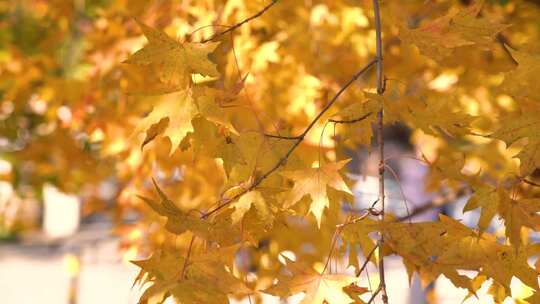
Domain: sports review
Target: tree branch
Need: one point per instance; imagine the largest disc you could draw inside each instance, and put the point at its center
(239, 24)
(297, 142)
(380, 139)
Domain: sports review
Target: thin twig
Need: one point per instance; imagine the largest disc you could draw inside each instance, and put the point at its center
(189, 35)
(433, 204)
(184, 268)
(379, 289)
(239, 24)
(380, 91)
(369, 281)
(301, 137)
(422, 209)
(526, 181)
(366, 211)
(282, 137)
(332, 246)
(407, 156)
(398, 181)
(350, 121)
(359, 271)
(504, 42)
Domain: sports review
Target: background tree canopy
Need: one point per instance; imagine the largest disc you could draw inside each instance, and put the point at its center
(229, 127)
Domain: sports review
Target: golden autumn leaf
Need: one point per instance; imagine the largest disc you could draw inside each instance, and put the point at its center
(178, 109)
(313, 182)
(520, 82)
(529, 156)
(426, 116)
(356, 120)
(209, 107)
(173, 61)
(515, 127)
(219, 228)
(486, 198)
(437, 38)
(206, 279)
(319, 288)
(245, 202)
(436, 248)
(517, 214)
(358, 233)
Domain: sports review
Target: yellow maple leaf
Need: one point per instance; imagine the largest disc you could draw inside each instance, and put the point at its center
(437, 38)
(426, 115)
(358, 116)
(529, 157)
(522, 81)
(207, 100)
(178, 109)
(487, 198)
(244, 203)
(173, 61)
(517, 126)
(436, 248)
(517, 214)
(206, 278)
(219, 228)
(319, 288)
(313, 182)
(358, 233)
